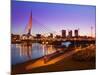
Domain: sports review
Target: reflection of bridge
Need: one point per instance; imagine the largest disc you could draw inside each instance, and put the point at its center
(25, 50)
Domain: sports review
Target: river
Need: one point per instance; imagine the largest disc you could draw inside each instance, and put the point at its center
(27, 51)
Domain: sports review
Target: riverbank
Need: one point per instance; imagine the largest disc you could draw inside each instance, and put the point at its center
(64, 62)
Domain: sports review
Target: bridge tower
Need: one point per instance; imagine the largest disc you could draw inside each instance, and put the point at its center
(28, 29)
(29, 26)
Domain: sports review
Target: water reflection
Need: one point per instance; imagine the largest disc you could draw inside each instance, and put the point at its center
(48, 49)
(26, 51)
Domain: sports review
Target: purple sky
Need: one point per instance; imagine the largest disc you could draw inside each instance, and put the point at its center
(51, 17)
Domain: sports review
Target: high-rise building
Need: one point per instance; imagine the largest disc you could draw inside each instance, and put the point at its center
(76, 33)
(70, 33)
(51, 35)
(63, 33)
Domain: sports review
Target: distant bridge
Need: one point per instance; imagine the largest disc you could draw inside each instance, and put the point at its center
(57, 40)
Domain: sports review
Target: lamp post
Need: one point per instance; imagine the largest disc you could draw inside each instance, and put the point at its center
(91, 31)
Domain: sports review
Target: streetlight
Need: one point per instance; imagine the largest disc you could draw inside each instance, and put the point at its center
(91, 31)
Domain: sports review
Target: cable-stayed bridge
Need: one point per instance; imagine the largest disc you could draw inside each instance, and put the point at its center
(34, 25)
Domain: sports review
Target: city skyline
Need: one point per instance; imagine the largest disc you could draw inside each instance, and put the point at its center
(52, 17)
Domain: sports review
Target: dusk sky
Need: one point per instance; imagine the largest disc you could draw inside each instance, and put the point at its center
(52, 17)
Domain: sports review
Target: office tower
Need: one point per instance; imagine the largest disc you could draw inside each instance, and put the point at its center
(63, 33)
(76, 33)
(70, 33)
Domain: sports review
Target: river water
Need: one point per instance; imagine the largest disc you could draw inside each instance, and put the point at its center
(28, 51)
